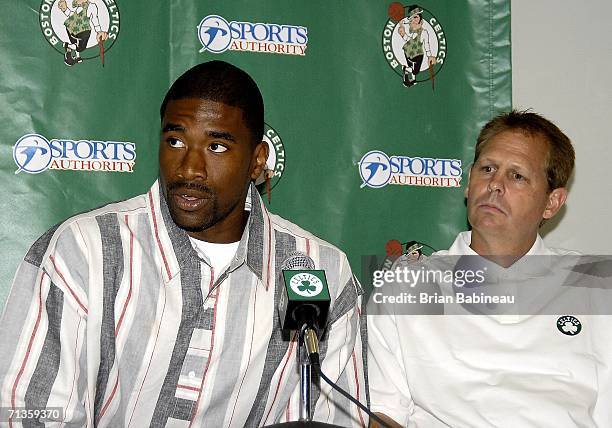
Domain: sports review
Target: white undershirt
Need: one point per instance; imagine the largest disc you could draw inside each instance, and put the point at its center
(219, 255)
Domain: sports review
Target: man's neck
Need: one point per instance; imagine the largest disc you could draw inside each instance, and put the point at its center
(224, 232)
(504, 251)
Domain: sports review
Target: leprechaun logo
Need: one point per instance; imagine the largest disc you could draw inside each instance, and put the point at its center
(275, 165)
(414, 44)
(80, 29)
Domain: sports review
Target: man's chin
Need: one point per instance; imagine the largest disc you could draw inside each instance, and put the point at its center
(189, 224)
(191, 228)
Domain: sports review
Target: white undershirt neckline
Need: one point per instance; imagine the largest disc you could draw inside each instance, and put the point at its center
(219, 255)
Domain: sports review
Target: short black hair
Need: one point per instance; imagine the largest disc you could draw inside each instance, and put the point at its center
(224, 83)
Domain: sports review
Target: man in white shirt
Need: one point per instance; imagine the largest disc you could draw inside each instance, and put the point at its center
(498, 370)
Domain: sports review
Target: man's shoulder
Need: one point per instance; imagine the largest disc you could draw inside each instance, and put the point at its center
(83, 222)
(283, 225)
(133, 206)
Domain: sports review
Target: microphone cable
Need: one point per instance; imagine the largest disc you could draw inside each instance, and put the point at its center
(314, 360)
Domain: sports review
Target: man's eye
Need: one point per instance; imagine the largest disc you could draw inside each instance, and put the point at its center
(487, 168)
(175, 142)
(217, 148)
(517, 176)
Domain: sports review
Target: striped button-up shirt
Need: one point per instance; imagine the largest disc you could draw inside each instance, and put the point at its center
(115, 319)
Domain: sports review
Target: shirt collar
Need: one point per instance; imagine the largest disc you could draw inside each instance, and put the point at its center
(527, 266)
(461, 246)
(254, 248)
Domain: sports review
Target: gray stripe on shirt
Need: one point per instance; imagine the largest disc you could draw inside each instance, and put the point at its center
(257, 227)
(70, 252)
(192, 310)
(344, 303)
(277, 347)
(227, 374)
(24, 291)
(39, 248)
(143, 321)
(112, 273)
(47, 366)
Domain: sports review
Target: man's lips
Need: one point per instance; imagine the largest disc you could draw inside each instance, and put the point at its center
(189, 197)
(187, 202)
(488, 206)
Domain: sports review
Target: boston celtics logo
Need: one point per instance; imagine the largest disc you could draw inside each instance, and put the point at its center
(80, 29)
(306, 284)
(275, 165)
(569, 325)
(414, 44)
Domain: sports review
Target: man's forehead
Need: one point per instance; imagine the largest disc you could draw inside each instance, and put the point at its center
(202, 107)
(531, 144)
(516, 148)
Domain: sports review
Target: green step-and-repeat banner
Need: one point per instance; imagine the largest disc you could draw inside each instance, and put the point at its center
(372, 107)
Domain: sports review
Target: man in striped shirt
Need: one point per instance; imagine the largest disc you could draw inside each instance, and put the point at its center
(161, 310)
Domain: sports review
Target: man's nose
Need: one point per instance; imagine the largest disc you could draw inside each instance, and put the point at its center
(193, 165)
(496, 183)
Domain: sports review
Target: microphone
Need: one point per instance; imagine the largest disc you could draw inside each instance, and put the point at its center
(305, 298)
(304, 306)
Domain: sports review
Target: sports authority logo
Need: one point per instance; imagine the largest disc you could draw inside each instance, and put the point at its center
(569, 325)
(275, 165)
(80, 29)
(306, 284)
(377, 170)
(217, 35)
(33, 154)
(413, 43)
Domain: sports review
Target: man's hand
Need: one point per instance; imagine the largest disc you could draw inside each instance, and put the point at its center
(101, 36)
(62, 5)
(390, 422)
(401, 30)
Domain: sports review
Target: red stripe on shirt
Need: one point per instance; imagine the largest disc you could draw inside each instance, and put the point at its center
(27, 355)
(66, 284)
(269, 249)
(129, 296)
(161, 250)
(110, 398)
(357, 387)
(72, 388)
(210, 354)
(290, 352)
(191, 388)
(150, 358)
(249, 360)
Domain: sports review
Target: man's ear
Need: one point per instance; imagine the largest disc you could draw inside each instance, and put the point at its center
(555, 201)
(467, 186)
(260, 156)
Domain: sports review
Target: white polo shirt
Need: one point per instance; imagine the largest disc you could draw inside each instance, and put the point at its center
(490, 371)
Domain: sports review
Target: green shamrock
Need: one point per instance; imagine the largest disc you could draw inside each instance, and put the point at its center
(307, 287)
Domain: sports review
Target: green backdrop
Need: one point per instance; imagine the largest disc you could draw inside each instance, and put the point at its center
(335, 94)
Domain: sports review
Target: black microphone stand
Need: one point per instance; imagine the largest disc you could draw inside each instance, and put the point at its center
(305, 377)
(307, 343)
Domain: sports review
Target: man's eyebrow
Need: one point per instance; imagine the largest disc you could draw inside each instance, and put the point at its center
(222, 135)
(172, 127)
